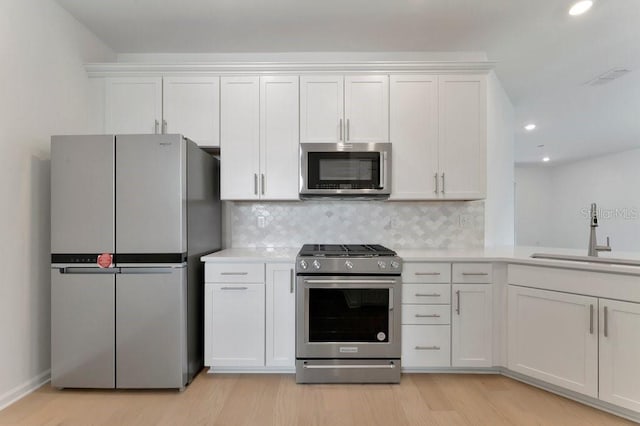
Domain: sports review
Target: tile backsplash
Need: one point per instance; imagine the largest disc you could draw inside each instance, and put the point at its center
(399, 225)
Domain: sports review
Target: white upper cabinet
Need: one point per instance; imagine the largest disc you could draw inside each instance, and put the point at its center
(133, 105)
(192, 108)
(239, 138)
(337, 109)
(414, 134)
(147, 105)
(259, 138)
(438, 131)
(462, 110)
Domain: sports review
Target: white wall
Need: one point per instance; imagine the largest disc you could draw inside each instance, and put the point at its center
(499, 205)
(566, 192)
(44, 92)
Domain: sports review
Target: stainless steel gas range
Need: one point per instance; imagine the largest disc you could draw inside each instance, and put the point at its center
(348, 314)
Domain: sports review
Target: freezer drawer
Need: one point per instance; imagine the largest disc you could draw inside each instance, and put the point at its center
(83, 328)
(151, 338)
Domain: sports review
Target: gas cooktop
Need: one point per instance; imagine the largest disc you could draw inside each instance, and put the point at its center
(345, 250)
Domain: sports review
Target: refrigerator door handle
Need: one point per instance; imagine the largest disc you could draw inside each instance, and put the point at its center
(159, 270)
(69, 270)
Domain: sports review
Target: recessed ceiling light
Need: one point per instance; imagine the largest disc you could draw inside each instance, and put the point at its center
(529, 127)
(580, 7)
(546, 159)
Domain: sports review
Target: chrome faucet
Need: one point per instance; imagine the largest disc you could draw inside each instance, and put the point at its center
(594, 248)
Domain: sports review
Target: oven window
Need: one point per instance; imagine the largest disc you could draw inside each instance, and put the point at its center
(343, 170)
(349, 315)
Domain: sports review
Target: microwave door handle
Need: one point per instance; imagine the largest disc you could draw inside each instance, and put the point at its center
(382, 167)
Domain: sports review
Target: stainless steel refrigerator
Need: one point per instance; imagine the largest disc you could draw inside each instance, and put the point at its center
(130, 217)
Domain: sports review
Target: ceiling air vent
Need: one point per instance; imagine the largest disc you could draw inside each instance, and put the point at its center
(607, 77)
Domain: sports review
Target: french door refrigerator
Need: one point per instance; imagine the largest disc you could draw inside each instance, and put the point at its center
(130, 217)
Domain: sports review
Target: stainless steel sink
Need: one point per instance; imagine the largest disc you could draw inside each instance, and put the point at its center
(590, 259)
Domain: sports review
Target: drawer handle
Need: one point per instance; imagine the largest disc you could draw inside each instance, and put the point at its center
(476, 273)
(235, 288)
(427, 348)
(428, 295)
(428, 316)
(427, 273)
(234, 273)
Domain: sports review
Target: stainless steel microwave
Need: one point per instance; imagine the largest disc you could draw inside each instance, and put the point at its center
(349, 170)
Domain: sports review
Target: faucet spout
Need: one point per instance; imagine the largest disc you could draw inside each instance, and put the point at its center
(594, 248)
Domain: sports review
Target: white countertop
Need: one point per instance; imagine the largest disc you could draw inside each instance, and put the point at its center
(520, 255)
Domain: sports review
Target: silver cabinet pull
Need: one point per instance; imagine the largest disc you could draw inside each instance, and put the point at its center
(427, 316)
(458, 302)
(291, 284)
(156, 127)
(234, 288)
(340, 125)
(262, 183)
(428, 294)
(590, 319)
(475, 273)
(427, 273)
(443, 182)
(348, 129)
(164, 127)
(255, 184)
(234, 273)
(427, 348)
(606, 322)
(435, 176)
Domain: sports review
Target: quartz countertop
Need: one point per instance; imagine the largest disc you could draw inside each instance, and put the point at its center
(519, 255)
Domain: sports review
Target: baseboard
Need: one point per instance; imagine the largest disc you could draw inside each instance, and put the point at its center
(451, 370)
(24, 389)
(251, 370)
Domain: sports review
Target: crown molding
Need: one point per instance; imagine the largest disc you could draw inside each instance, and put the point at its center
(222, 68)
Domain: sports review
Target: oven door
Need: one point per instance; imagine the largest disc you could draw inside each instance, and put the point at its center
(345, 169)
(348, 317)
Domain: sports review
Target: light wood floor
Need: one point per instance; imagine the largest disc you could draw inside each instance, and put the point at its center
(224, 399)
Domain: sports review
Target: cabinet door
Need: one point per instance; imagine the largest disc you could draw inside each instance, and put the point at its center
(553, 337)
(281, 316)
(239, 137)
(366, 105)
(279, 138)
(462, 110)
(133, 105)
(237, 325)
(322, 108)
(471, 326)
(619, 353)
(191, 107)
(414, 135)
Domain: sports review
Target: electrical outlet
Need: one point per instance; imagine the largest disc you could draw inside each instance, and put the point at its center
(261, 222)
(465, 220)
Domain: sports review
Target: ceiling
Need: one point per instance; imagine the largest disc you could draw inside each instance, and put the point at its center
(544, 55)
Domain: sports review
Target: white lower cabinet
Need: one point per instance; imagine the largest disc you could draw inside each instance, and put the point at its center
(280, 315)
(620, 353)
(471, 326)
(553, 337)
(237, 325)
(426, 346)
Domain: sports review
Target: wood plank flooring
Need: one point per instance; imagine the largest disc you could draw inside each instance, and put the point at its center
(269, 399)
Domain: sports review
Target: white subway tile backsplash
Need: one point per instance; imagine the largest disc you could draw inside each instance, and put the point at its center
(399, 225)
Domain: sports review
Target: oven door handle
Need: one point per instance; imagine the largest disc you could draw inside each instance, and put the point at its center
(350, 281)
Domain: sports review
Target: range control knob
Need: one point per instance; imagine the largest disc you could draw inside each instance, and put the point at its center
(348, 264)
(303, 264)
(382, 264)
(395, 264)
(316, 264)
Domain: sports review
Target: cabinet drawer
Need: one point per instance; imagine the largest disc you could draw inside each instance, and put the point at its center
(423, 272)
(426, 293)
(471, 273)
(426, 314)
(234, 272)
(426, 346)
